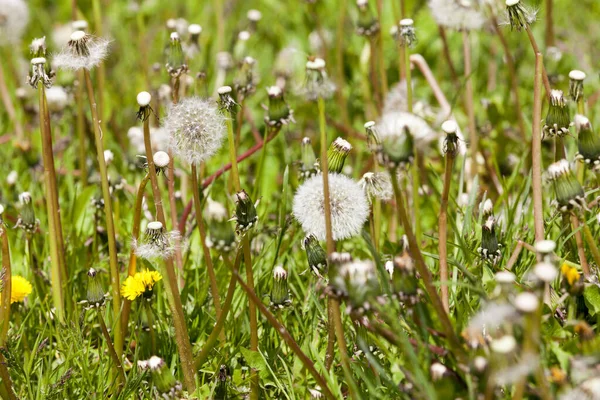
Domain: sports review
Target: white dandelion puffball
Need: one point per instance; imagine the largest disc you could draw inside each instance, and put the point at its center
(349, 206)
(14, 16)
(196, 129)
(392, 124)
(456, 15)
(82, 51)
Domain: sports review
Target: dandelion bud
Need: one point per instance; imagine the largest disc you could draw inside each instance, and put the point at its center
(245, 213)
(567, 189)
(175, 57)
(27, 220)
(309, 167)
(558, 119)
(278, 112)
(317, 258)
(450, 128)
(318, 84)
(226, 102)
(526, 302)
(588, 143)
(95, 292)
(490, 248)
(38, 47)
(280, 296)
(337, 153)
(157, 242)
(367, 24)
(377, 185)
(519, 16)
(572, 281)
(220, 234)
(576, 79)
(406, 33)
(546, 272)
(82, 51)
(163, 378)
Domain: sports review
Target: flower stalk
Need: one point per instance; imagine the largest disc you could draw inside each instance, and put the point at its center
(536, 150)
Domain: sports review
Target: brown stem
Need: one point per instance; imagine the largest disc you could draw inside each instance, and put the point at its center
(536, 150)
(515, 254)
(339, 52)
(420, 62)
(80, 126)
(443, 232)
(549, 38)
(9, 107)
(537, 51)
(254, 384)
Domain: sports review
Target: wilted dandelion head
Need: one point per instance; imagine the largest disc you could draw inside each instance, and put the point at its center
(349, 206)
(519, 16)
(558, 119)
(196, 129)
(568, 190)
(377, 185)
(82, 51)
(19, 289)
(588, 143)
(140, 284)
(457, 15)
(157, 242)
(318, 85)
(576, 78)
(14, 16)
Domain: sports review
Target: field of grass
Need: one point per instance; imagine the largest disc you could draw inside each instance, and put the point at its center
(269, 199)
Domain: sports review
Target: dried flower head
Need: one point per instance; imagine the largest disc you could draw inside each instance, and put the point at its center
(247, 78)
(226, 102)
(38, 73)
(37, 47)
(140, 284)
(245, 213)
(309, 166)
(19, 289)
(568, 190)
(157, 242)
(558, 120)
(27, 220)
(82, 51)
(377, 185)
(407, 34)
(280, 294)
(95, 292)
(367, 24)
(278, 113)
(457, 15)
(349, 206)
(196, 129)
(316, 256)
(337, 153)
(14, 16)
(490, 248)
(588, 143)
(318, 85)
(576, 79)
(161, 161)
(519, 16)
(175, 64)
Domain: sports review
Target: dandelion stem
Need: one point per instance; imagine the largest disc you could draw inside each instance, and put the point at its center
(380, 53)
(536, 151)
(212, 338)
(214, 287)
(57, 273)
(443, 230)
(339, 331)
(424, 272)
(111, 349)
(580, 249)
(80, 127)
(589, 238)
(285, 335)
(182, 338)
(10, 108)
(549, 38)
(6, 287)
(537, 51)
(339, 51)
(446, 51)
(110, 227)
(469, 105)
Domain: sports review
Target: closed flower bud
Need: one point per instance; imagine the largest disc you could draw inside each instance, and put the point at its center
(558, 119)
(336, 155)
(245, 213)
(567, 189)
(95, 292)
(576, 79)
(487, 208)
(220, 233)
(278, 112)
(176, 64)
(490, 248)
(162, 377)
(367, 24)
(309, 166)
(318, 84)
(27, 220)
(316, 256)
(519, 16)
(280, 296)
(588, 143)
(157, 242)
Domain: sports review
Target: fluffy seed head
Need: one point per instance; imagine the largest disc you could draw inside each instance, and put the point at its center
(196, 129)
(456, 15)
(144, 99)
(161, 159)
(392, 125)
(349, 207)
(157, 242)
(14, 16)
(82, 51)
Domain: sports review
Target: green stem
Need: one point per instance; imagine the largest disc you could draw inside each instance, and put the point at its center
(589, 238)
(536, 151)
(182, 338)
(80, 126)
(110, 227)
(339, 331)
(111, 349)
(443, 231)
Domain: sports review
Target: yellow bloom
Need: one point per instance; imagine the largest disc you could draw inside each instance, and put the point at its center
(570, 273)
(20, 288)
(140, 284)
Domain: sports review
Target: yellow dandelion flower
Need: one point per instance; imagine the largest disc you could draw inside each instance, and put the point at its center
(570, 273)
(139, 284)
(20, 288)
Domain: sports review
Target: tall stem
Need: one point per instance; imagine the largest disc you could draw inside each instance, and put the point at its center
(549, 39)
(443, 231)
(339, 51)
(380, 53)
(474, 139)
(111, 349)
(182, 338)
(7, 286)
(56, 272)
(536, 150)
(10, 108)
(80, 127)
(537, 51)
(591, 241)
(171, 190)
(214, 287)
(580, 249)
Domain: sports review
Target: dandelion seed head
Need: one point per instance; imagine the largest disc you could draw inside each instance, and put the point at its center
(157, 243)
(349, 207)
(392, 125)
(57, 98)
(196, 129)
(454, 15)
(83, 51)
(377, 185)
(14, 16)
(143, 99)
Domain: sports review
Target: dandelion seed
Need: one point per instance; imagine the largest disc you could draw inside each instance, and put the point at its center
(20, 288)
(83, 51)
(14, 16)
(140, 284)
(196, 129)
(157, 243)
(349, 207)
(456, 15)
